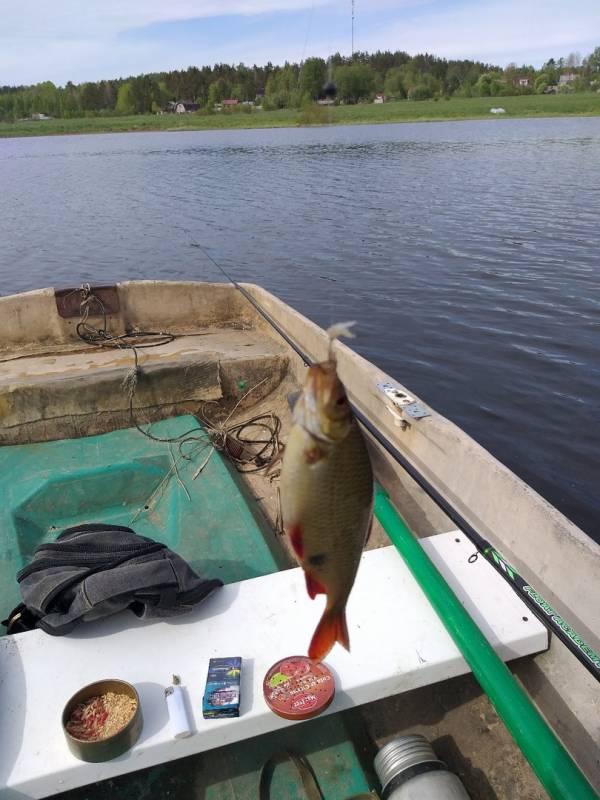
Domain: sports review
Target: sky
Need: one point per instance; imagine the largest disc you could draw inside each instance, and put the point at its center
(80, 40)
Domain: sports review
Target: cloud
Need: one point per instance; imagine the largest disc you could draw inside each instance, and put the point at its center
(66, 19)
(80, 40)
(522, 30)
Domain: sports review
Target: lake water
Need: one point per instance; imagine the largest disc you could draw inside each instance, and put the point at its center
(468, 252)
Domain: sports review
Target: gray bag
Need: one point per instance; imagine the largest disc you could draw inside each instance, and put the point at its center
(93, 571)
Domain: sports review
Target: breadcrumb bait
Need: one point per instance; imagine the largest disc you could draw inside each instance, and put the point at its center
(101, 716)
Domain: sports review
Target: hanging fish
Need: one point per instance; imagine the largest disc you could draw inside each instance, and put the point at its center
(327, 495)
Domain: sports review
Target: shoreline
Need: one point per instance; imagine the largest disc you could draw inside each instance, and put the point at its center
(403, 111)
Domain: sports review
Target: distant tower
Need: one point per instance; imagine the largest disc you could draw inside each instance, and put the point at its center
(352, 28)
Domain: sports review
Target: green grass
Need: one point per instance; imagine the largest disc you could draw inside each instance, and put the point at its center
(471, 108)
(584, 104)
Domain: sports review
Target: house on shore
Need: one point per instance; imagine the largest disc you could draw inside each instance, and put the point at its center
(523, 80)
(566, 78)
(380, 98)
(230, 103)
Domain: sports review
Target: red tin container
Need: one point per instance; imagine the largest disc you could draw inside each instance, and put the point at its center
(298, 688)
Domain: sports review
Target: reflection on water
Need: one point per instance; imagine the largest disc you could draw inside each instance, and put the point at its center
(467, 251)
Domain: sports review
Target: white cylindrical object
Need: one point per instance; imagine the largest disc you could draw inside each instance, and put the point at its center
(431, 786)
(409, 769)
(178, 716)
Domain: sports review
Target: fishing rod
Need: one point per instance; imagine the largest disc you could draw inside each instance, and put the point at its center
(532, 598)
(542, 609)
(307, 361)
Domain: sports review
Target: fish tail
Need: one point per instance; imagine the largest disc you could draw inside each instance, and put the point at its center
(335, 331)
(341, 329)
(332, 628)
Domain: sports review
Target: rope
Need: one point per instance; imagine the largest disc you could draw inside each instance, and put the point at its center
(308, 779)
(235, 440)
(101, 336)
(252, 444)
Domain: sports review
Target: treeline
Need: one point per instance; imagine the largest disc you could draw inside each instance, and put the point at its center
(359, 78)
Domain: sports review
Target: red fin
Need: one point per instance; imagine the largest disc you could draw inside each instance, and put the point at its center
(331, 629)
(313, 587)
(296, 540)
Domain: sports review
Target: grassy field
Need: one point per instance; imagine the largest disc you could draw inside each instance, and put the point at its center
(585, 104)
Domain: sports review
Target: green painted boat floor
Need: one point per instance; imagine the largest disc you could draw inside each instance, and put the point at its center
(125, 478)
(336, 747)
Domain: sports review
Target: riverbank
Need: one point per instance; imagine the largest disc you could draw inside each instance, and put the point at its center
(455, 108)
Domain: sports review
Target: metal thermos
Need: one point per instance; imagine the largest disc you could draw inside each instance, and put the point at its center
(409, 770)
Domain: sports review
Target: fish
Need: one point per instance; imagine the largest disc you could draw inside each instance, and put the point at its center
(326, 490)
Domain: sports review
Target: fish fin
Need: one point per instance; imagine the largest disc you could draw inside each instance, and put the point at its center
(314, 453)
(296, 540)
(313, 587)
(332, 628)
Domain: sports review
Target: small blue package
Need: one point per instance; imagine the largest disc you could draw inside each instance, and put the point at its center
(222, 692)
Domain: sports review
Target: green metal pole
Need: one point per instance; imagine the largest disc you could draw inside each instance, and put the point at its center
(557, 771)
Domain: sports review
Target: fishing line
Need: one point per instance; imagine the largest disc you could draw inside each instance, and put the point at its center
(252, 444)
(543, 610)
(253, 302)
(308, 31)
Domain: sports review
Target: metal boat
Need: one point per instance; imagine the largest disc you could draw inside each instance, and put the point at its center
(99, 386)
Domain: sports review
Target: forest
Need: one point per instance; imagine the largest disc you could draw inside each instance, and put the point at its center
(360, 78)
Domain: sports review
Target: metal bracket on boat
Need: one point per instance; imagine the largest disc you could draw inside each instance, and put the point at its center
(405, 403)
